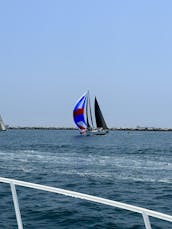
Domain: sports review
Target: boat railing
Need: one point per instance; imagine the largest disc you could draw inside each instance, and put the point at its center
(146, 213)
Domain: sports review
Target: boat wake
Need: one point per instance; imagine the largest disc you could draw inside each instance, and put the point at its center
(99, 167)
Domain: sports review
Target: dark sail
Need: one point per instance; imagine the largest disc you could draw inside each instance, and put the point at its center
(99, 117)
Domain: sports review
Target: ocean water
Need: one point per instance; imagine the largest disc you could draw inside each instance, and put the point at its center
(133, 167)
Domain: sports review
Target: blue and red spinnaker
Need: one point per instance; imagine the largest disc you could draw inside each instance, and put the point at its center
(78, 113)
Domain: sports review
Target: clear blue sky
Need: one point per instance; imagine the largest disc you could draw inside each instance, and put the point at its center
(52, 51)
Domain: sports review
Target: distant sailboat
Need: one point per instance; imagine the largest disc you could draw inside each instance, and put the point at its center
(2, 125)
(83, 117)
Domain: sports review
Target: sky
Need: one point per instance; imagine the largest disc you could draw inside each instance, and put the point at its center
(52, 51)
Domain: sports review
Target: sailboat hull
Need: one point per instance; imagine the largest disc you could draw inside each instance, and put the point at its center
(101, 132)
(94, 132)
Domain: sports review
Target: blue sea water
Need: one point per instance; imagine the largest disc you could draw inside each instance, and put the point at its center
(133, 167)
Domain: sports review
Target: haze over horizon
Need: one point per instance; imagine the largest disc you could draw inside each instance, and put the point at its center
(54, 51)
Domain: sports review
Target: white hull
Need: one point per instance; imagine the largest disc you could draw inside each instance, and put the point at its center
(95, 132)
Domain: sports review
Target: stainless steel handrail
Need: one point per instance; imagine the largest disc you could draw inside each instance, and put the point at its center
(143, 211)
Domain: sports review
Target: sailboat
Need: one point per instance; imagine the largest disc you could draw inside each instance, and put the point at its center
(2, 125)
(83, 117)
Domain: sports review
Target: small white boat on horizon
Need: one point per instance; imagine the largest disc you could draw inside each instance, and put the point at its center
(2, 125)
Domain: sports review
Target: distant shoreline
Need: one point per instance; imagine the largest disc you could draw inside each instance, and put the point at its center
(72, 128)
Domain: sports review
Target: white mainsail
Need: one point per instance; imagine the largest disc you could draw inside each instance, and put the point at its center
(2, 125)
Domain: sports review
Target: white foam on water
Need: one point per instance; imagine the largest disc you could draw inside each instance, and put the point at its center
(97, 166)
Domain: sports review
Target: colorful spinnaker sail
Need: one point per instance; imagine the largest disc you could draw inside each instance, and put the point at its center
(78, 113)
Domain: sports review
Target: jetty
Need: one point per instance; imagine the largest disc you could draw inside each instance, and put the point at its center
(73, 128)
